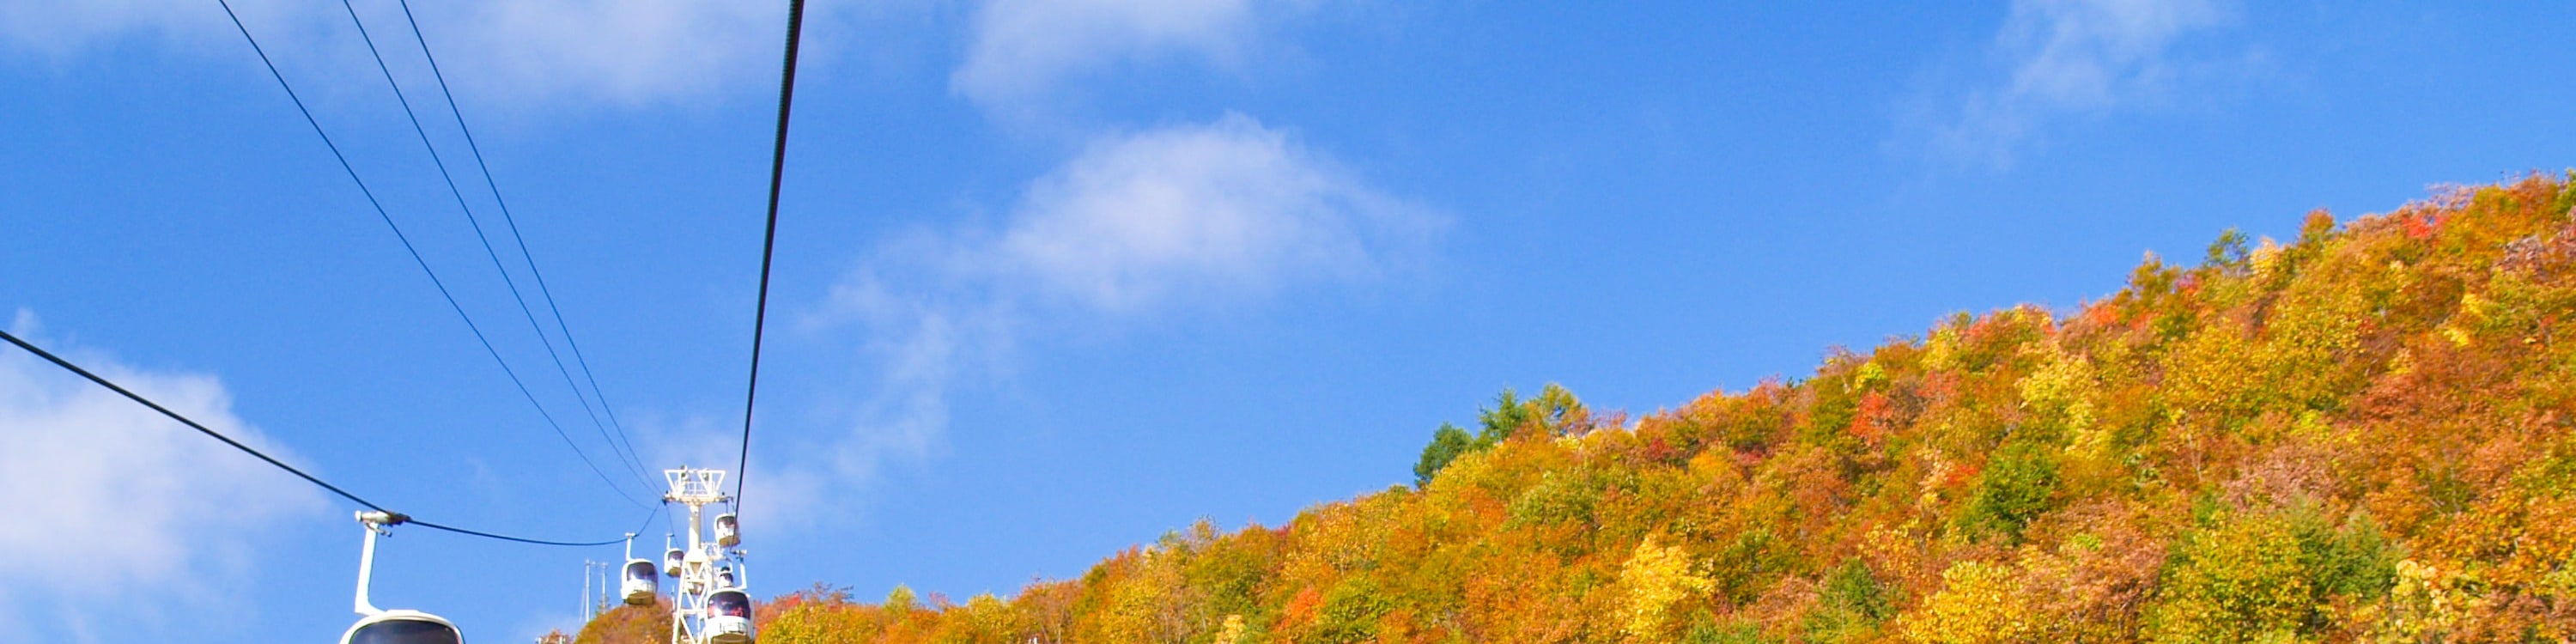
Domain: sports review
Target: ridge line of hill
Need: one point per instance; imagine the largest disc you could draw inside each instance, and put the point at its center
(2361, 434)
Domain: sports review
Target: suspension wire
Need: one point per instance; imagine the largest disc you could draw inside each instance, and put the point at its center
(769, 242)
(415, 254)
(513, 222)
(398, 517)
(633, 466)
(671, 524)
(649, 513)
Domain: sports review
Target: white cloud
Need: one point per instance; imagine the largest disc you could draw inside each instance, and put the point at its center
(623, 50)
(512, 52)
(1147, 222)
(2059, 57)
(1021, 49)
(516, 53)
(58, 28)
(114, 505)
(1230, 207)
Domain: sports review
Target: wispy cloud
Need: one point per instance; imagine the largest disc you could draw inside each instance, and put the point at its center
(1229, 207)
(118, 504)
(620, 50)
(1019, 51)
(2055, 58)
(55, 28)
(1143, 223)
(506, 52)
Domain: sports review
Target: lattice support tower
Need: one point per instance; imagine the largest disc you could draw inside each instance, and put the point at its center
(695, 488)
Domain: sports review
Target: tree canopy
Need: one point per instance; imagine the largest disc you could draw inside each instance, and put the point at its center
(2362, 434)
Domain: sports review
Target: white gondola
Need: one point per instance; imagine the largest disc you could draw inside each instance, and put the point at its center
(379, 626)
(728, 531)
(728, 617)
(725, 578)
(671, 561)
(402, 627)
(643, 581)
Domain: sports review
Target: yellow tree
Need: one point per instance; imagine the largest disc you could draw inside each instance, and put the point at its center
(1657, 577)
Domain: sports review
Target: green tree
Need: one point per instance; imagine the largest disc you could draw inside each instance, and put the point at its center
(2019, 484)
(1506, 419)
(1851, 605)
(1447, 444)
(2228, 251)
(1555, 411)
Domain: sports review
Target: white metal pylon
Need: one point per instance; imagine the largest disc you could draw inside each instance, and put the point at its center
(705, 609)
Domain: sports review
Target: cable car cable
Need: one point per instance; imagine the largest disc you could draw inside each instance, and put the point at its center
(522, 241)
(398, 517)
(633, 466)
(769, 242)
(648, 520)
(165, 411)
(415, 252)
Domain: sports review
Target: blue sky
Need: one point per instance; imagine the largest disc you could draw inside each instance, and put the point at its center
(1056, 276)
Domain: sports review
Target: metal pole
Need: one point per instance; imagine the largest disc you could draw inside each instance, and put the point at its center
(367, 559)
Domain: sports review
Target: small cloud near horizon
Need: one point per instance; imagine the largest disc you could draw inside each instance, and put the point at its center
(1161, 221)
(1020, 53)
(2055, 59)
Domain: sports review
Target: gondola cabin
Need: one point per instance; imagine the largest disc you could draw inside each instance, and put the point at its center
(643, 581)
(725, 578)
(671, 562)
(728, 617)
(402, 627)
(728, 531)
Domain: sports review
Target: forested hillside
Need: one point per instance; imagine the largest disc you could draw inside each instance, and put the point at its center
(2362, 434)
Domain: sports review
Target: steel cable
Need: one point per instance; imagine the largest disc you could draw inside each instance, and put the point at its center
(398, 517)
(769, 241)
(415, 252)
(633, 466)
(512, 221)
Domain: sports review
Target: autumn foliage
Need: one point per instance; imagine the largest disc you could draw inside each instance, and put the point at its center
(2360, 435)
(629, 625)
